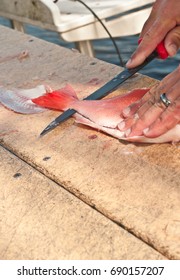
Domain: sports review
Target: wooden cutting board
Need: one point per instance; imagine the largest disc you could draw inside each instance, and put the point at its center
(134, 187)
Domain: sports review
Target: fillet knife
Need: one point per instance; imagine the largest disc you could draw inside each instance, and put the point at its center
(160, 52)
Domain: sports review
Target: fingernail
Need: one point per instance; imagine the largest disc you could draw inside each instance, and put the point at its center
(145, 131)
(129, 62)
(126, 111)
(121, 125)
(136, 117)
(128, 131)
(172, 49)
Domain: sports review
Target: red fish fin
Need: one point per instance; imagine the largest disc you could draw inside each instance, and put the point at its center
(69, 90)
(133, 96)
(60, 99)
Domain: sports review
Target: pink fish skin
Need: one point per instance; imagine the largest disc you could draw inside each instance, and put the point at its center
(104, 115)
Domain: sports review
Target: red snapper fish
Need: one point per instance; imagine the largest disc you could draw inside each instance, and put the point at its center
(104, 115)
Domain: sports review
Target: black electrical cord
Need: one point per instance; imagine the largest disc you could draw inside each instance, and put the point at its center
(100, 21)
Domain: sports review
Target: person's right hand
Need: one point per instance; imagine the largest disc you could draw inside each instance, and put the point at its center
(163, 24)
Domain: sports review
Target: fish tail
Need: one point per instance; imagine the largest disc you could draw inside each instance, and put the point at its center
(20, 100)
(61, 99)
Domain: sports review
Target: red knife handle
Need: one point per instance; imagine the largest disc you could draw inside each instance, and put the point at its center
(160, 49)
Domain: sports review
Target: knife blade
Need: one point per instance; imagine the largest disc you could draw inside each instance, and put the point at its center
(108, 87)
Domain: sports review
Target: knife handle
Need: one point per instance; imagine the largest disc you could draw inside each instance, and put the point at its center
(160, 49)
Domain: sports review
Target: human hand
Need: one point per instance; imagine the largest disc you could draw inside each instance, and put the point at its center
(149, 116)
(163, 24)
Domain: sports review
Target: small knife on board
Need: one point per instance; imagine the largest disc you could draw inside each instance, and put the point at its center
(160, 52)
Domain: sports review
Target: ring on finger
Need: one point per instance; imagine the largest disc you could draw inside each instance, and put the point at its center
(165, 100)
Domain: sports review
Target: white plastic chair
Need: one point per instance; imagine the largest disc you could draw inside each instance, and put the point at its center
(74, 22)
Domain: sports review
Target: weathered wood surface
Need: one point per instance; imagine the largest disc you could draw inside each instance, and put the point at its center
(137, 186)
(41, 220)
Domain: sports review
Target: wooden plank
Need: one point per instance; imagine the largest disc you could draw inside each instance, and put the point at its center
(135, 185)
(40, 220)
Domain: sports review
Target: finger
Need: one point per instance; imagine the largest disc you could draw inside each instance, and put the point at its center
(126, 124)
(150, 40)
(172, 41)
(169, 85)
(149, 113)
(153, 94)
(144, 121)
(168, 119)
(170, 80)
(131, 110)
(140, 51)
(151, 19)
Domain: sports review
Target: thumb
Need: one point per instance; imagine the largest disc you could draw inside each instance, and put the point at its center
(172, 41)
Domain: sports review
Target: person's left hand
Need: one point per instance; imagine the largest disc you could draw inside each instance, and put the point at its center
(149, 116)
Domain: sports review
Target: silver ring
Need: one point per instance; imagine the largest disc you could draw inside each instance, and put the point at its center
(165, 100)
